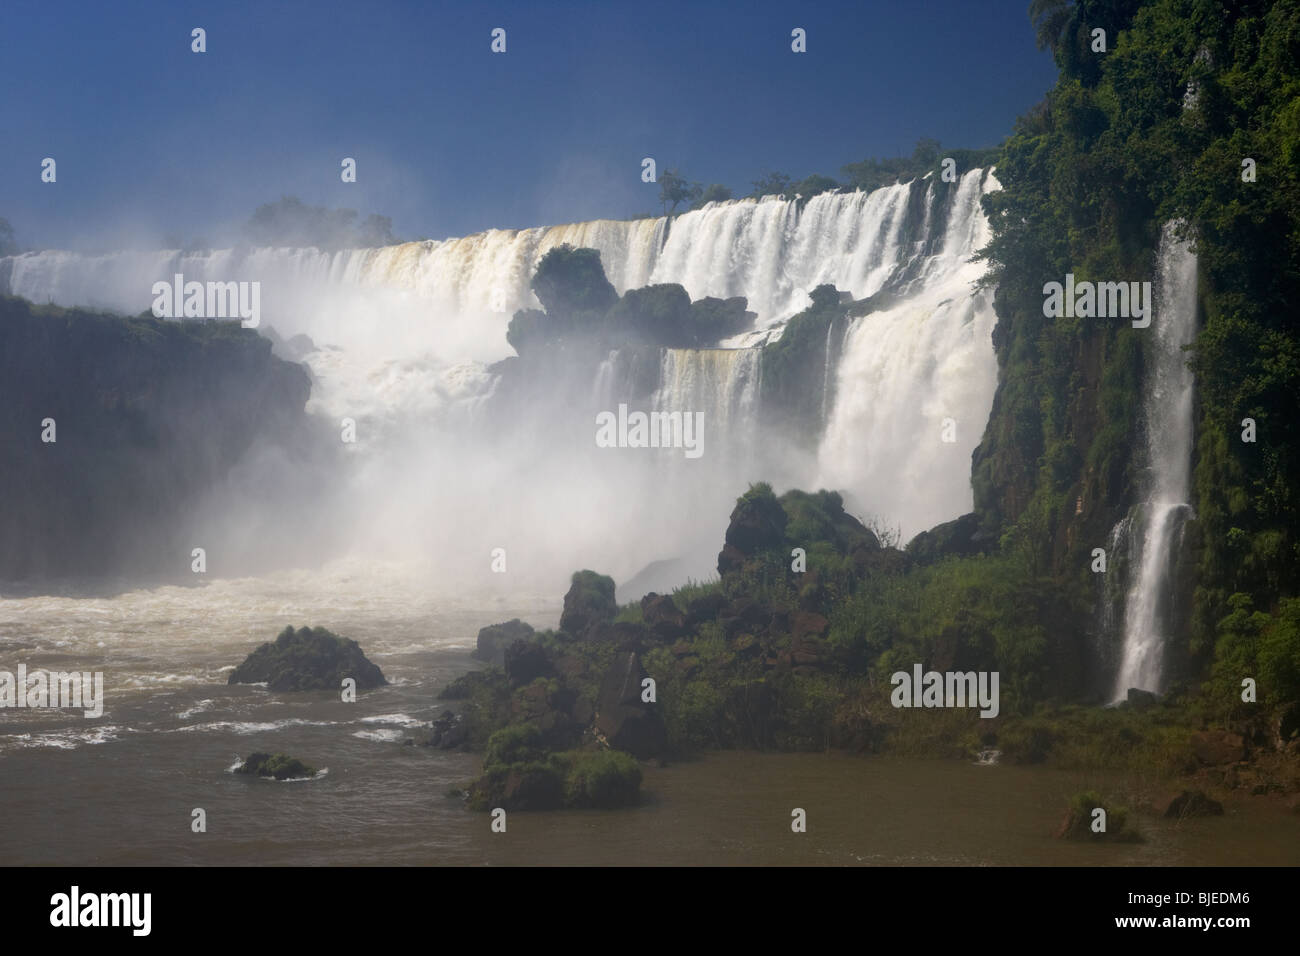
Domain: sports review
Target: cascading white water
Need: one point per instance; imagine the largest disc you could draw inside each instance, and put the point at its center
(775, 254)
(906, 370)
(826, 369)
(484, 275)
(401, 338)
(1164, 510)
(721, 382)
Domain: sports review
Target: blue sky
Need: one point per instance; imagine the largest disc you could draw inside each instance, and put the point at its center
(449, 138)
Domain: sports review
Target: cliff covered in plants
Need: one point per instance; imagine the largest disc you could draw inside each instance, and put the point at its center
(1189, 114)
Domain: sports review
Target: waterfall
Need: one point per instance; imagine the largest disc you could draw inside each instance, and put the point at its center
(401, 340)
(483, 274)
(775, 254)
(1160, 517)
(721, 382)
(826, 369)
(913, 375)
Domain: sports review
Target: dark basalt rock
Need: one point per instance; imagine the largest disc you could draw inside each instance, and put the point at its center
(532, 788)
(590, 600)
(1213, 748)
(495, 638)
(1140, 699)
(663, 617)
(757, 523)
(308, 659)
(627, 722)
(1189, 803)
(620, 633)
(152, 414)
(704, 608)
(960, 537)
(463, 687)
(449, 732)
(745, 616)
(526, 661)
(279, 766)
(808, 624)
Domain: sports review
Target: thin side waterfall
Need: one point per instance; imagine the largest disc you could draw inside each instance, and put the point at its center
(1159, 519)
(826, 370)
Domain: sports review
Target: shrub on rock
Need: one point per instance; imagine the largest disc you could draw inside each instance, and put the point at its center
(308, 659)
(605, 780)
(1081, 817)
(590, 600)
(279, 766)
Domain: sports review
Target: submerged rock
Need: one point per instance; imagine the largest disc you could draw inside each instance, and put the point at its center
(1081, 818)
(308, 659)
(1189, 803)
(449, 732)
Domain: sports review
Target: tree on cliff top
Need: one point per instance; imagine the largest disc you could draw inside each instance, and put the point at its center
(674, 190)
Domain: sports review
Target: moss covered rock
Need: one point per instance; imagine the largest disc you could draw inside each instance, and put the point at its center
(495, 638)
(519, 774)
(1081, 817)
(590, 600)
(605, 780)
(279, 766)
(308, 659)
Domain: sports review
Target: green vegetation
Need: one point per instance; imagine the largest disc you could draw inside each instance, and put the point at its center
(308, 659)
(605, 780)
(716, 192)
(674, 190)
(794, 366)
(590, 599)
(278, 766)
(874, 173)
(1081, 817)
(571, 282)
(1157, 129)
(519, 774)
(772, 655)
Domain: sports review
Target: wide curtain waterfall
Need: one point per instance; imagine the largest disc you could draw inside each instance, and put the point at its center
(401, 340)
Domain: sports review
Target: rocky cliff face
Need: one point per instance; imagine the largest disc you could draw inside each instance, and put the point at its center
(145, 416)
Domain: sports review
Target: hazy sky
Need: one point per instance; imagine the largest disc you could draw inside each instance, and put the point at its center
(449, 138)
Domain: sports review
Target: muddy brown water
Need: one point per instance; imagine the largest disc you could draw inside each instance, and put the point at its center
(120, 789)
